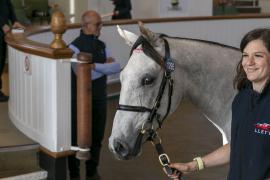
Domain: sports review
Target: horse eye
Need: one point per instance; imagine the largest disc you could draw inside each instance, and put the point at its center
(147, 80)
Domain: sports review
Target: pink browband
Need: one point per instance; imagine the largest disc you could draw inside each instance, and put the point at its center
(138, 50)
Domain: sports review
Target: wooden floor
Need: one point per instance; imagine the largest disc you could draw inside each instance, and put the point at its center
(185, 135)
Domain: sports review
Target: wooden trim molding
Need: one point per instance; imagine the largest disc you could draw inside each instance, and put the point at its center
(176, 19)
(189, 18)
(57, 154)
(22, 43)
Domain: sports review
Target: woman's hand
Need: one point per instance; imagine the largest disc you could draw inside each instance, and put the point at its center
(217, 157)
(184, 168)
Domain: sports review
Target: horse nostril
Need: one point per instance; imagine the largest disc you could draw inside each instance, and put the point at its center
(121, 148)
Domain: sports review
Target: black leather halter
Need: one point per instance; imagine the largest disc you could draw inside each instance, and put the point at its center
(168, 66)
(147, 127)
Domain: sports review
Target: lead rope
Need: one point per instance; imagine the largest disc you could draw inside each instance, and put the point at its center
(163, 157)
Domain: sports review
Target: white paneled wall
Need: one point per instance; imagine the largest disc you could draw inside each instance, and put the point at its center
(227, 32)
(39, 102)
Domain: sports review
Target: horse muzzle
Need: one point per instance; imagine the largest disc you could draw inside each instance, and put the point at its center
(122, 150)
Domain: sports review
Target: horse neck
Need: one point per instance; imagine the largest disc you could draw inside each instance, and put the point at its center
(206, 72)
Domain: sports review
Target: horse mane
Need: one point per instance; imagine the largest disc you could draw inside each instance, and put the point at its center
(201, 40)
(149, 50)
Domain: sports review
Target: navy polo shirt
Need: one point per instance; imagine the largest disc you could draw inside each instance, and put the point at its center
(250, 135)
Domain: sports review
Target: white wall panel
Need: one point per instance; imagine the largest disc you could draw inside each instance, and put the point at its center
(39, 102)
(227, 32)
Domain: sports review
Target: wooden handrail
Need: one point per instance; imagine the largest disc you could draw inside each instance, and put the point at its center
(21, 41)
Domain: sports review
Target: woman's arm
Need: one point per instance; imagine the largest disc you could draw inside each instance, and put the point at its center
(217, 157)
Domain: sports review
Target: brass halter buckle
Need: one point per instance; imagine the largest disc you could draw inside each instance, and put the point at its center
(164, 159)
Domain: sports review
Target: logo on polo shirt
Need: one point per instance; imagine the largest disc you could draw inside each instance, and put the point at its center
(262, 128)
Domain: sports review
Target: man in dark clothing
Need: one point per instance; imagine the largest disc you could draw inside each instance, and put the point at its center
(88, 42)
(7, 16)
(122, 9)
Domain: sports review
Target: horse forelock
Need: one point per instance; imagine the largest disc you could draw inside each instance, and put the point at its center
(148, 49)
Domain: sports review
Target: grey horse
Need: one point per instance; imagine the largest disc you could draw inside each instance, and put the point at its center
(204, 73)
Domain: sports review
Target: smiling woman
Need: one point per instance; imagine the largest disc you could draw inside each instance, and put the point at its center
(256, 64)
(248, 151)
(250, 107)
(256, 60)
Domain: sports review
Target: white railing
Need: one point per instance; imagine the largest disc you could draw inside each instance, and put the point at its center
(39, 102)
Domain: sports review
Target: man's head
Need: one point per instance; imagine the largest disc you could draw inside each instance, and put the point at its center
(91, 23)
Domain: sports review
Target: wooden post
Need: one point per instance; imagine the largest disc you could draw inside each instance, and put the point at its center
(84, 105)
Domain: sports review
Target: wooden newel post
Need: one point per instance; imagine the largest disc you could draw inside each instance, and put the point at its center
(84, 105)
(58, 27)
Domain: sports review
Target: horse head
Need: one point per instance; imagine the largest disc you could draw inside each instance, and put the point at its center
(143, 91)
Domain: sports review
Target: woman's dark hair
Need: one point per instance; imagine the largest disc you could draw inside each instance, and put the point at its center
(240, 80)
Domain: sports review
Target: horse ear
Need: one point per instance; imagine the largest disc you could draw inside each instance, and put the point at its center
(129, 37)
(152, 37)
